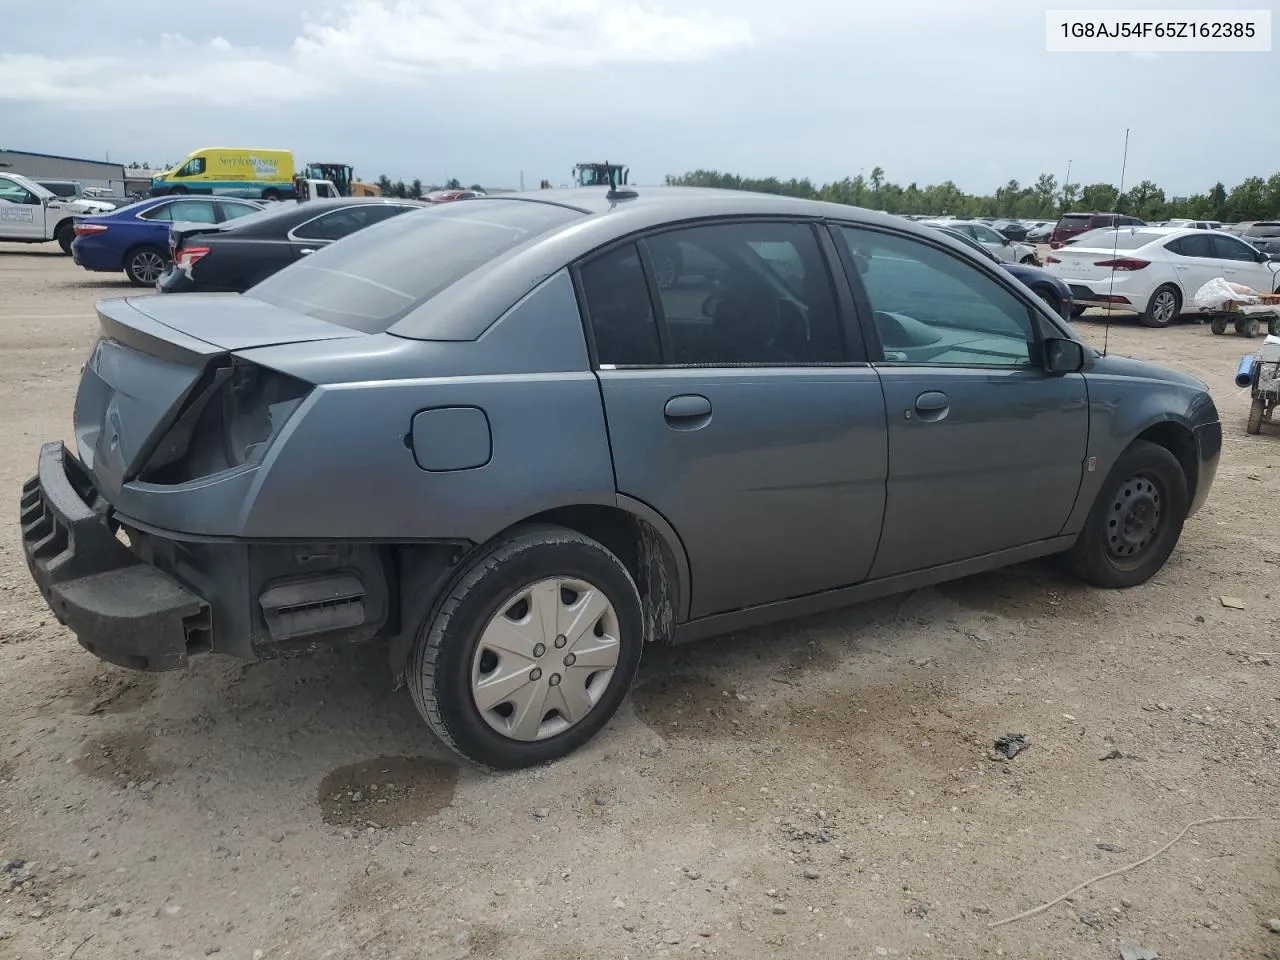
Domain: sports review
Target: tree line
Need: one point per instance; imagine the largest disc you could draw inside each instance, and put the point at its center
(1253, 199)
(415, 189)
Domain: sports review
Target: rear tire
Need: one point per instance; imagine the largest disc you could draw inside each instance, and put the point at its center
(1030, 260)
(1163, 308)
(1135, 522)
(178, 191)
(476, 637)
(144, 265)
(1256, 411)
(271, 196)
(1078, 311)
(1049, 296)
(65, 234)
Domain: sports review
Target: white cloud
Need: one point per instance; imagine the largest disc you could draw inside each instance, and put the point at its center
(380, 41)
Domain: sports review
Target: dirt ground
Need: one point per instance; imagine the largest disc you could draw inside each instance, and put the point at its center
(820, 789)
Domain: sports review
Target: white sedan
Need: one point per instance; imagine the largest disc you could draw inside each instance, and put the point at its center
(1156, 271)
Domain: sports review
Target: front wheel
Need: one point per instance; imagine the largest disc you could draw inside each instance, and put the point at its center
(1078, 311)
(1136, 520)
(531, 651)
(1163, 307)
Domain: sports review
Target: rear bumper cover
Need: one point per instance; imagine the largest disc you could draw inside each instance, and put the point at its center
(120, 609)
(167, 596)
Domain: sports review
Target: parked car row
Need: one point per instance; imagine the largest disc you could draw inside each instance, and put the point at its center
(1005, 249)
(1155, 272)
(818, 405)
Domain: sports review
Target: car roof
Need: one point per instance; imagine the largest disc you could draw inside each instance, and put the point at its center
(463, 309)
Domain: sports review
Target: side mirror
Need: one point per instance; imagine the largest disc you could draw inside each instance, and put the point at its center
(1062, 355)
(1004, 241)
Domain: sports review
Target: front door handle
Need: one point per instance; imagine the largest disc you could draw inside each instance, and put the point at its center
(932, 405)
(305, 250)
(687, 410)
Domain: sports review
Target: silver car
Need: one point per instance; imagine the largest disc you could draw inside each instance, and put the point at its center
(1006, 250)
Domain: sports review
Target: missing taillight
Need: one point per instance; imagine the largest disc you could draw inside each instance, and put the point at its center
(228, 424)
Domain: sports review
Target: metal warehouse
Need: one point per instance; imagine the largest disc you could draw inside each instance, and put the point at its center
(45, 166)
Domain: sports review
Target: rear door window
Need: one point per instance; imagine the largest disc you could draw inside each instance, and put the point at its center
(1193, 245)
(1229, 248)
(341, 223)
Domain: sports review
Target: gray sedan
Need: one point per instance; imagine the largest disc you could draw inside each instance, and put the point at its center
(518, 439)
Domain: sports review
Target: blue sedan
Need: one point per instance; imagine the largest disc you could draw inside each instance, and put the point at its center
(135, 238)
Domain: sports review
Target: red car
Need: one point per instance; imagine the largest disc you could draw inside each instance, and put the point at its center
(1074, 224)
(448, 196)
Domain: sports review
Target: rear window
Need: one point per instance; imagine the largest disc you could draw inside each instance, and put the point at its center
(1075, 220)
(1264, 230)
(373, 278)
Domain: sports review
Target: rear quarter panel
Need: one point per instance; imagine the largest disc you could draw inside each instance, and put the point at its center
(342, 467)
(1127, 397)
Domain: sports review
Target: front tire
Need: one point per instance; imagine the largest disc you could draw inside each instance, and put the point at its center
(1163, 308)
(1136, 520)
(144, 265)
(65, 234)
(1078, 311)
(1030, 260)
(531, 651)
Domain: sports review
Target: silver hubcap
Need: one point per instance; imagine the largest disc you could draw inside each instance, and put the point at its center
(545, 659)
(1164, 307)
(148, 266)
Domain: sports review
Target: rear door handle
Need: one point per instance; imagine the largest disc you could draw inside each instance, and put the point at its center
(305, 250)
(686, 409)
(932, 405)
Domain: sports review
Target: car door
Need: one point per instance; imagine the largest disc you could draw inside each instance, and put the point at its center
(738, 408)
(986, 450)
(1195, 262)
(994, 242)
(21, 212)
(1240, 264)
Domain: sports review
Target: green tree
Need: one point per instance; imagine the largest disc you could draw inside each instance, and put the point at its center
(453, 184)
(415, 188)
(384, 185)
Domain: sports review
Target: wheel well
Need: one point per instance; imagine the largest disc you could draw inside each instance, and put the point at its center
(642, 550)
(1179, 441)
(68, 222)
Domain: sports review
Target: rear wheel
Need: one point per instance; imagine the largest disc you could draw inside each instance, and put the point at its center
(1136, 520)
(531, 651)
(1078, 311)
(178, 191)
(1030, 260)
(144, 265)
(271, 196)
(1163, 307)
(1049, 296)
(65, 233)
(1257, 411)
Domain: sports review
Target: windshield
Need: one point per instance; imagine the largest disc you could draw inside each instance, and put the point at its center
(375, 277)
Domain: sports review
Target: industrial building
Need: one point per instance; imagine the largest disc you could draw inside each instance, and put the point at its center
(45, 166)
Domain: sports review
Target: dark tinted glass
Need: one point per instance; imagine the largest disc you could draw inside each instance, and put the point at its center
(1228, 248)
(620, 310)
(756, 293)
(378, 275)
(342, 223)
(1195, 245)
(933, 308)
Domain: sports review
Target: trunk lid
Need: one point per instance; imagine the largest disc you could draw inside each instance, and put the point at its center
(155, 354)
(1082, 264)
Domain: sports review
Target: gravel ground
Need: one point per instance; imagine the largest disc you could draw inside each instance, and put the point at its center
(824, 788)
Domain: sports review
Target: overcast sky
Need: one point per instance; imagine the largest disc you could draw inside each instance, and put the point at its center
(487, 89)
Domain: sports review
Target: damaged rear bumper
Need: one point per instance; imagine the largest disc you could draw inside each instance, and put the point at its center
(120, 609)
(151, 604)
